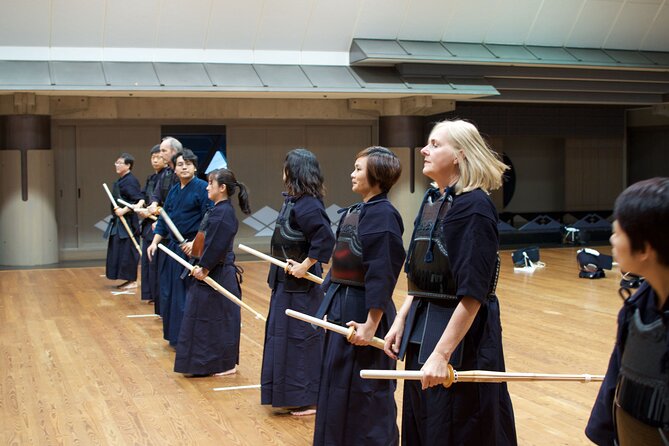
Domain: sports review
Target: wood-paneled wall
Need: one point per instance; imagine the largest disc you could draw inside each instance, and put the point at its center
(593, 173)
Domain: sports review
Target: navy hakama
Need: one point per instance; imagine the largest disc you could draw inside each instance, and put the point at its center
(293, 349)
(150, 282)
(466, 413)
(352, 410)
(186, 206)
(122, 255)
(157, 192)
(210, 331)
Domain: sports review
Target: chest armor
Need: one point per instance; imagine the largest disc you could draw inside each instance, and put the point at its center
(347, 266)
(198, 241)
(166, 182)
(150, 186)
(428, 267)
(288, 242)
(643, 386)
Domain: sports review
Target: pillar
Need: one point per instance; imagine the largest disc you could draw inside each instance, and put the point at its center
(405, 135)
(28, 230)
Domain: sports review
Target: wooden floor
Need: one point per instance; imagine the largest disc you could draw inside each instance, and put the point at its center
(75, 369)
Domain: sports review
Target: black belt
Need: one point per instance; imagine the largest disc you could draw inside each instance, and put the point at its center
(446, 300)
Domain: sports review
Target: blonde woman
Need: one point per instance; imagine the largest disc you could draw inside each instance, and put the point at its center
(451, 315)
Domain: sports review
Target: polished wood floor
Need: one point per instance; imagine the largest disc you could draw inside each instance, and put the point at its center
(75, 369)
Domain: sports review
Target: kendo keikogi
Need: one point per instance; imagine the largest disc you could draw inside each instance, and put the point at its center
(365, 265)
(293, 350)
(442, 267)
(632, 406)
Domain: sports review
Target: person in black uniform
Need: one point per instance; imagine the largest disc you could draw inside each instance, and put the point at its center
(210, 330)
(366, 262)
(150, 282)
(632, 407)
(122, 256)
(451, 314)
(168, 149)
(303, 237)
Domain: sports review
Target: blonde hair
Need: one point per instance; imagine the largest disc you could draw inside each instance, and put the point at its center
(480, 166)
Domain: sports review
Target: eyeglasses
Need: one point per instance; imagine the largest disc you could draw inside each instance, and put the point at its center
(119, 163)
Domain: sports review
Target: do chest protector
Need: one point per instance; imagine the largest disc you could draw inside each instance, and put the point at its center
(347, 267)
(198, 241)
(428, 267)
(288, 243)
(643, 389)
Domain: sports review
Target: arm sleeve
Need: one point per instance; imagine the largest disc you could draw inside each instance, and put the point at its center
(219, 236)
(382, 256)
(154, 195)
(134, 190)
(473, 253)
(315, 225)
(600, 428)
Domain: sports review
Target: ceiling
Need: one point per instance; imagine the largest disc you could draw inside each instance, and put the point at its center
(314, 32)
(119, 47)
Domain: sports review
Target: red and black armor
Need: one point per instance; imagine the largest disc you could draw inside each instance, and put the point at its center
(347, 265)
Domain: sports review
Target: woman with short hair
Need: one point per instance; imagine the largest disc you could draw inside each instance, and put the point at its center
(632, 407)
(359, 287)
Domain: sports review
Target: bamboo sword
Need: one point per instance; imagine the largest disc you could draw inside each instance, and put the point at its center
(479, 376)
(180, 238)
(344, 331)
(212, 283)
(134, 207)
(122, 218)
(314, 278)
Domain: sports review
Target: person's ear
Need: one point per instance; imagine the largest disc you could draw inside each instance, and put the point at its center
(647, 253)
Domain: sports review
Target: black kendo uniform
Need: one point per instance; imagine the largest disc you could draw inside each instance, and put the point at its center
(150, 279)
(211, 326)
(162, 184)
(453, 254)
(632, 407)
(122, 255)
(293, 350)
(367, 260)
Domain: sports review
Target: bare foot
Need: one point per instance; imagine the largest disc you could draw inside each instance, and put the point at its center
(128, 285)
(303, 411)
(232, 371)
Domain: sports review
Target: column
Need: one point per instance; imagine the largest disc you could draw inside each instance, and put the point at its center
(28, 229)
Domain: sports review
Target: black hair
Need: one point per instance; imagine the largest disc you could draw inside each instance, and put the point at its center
(227, 177)
(303, 174)
(128, 159)
(187, 155)
(642, 211)
(383, 167)
(155, 149)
